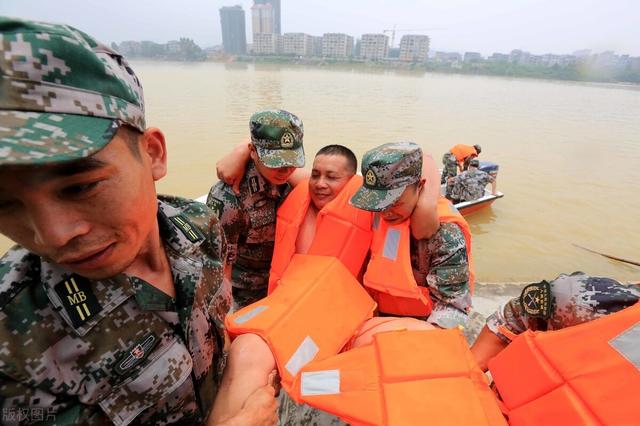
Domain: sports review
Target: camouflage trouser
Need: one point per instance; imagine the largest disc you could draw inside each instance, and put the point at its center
(292, 414)
(450, 167)
(243, 296)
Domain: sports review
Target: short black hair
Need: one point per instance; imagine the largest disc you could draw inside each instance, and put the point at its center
(131, 137)
(352, 161)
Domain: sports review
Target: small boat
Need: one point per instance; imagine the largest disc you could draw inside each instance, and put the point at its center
(467, 207)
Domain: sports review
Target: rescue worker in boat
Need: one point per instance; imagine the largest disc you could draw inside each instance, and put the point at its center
(566, 301)
(457, 160)
(112, 303)
(440, 264)
(469, 185)
(248, 217)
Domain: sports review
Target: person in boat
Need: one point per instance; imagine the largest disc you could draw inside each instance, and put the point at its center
(248, 217)
(112, 304)
(566, 301)
(440, 264)
(469, 185)
(457, 160)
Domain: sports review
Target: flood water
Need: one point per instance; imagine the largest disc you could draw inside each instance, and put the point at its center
(569, 153)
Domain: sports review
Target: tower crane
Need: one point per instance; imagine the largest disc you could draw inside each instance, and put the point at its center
(393, 32)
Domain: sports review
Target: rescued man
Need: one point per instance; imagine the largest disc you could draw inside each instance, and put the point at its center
(469, 185)
(112, 303)
(563, 302)
(248, 217)
(440, 265)
(457, 160)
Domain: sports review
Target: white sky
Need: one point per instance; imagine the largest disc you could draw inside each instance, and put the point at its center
(486, 26)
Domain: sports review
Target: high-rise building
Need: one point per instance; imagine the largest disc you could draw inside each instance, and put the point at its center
(234, 35)
(275, 4)
(414, 48)
(262, 17)
(337, 45)
(299, 44)
(374, 46)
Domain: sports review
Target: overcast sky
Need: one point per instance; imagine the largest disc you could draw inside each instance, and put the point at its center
(486, 26)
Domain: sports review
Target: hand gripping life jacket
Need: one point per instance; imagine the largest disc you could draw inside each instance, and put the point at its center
(588, 374)
(342, 230)
(389, 275)
(312, 314)
(403, 378)
(462, 152)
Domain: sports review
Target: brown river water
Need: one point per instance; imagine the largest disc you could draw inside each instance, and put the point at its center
(569, 153)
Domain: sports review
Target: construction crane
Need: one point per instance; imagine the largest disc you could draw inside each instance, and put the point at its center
(393, 32)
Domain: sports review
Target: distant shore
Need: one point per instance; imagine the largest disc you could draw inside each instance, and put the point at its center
(570, 73)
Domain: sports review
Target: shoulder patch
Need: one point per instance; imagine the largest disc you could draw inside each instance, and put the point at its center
(78, 299)
(192, 233)
(536, 300)
(254, 184)
(136, 354)
(217, 206)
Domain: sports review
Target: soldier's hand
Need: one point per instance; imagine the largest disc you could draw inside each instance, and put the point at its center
(261, 407)
(230, 168)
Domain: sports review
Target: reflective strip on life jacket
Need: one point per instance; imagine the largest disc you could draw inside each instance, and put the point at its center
(342, 230)
(389, 275)
(585, 374)
(312, 314)
(402, 378)
(462, 152)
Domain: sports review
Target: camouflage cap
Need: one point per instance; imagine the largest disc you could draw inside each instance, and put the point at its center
(474, 162)
(387, 171)
(277, 136)
(63, 95)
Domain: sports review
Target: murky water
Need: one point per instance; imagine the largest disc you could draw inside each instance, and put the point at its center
(569, 154)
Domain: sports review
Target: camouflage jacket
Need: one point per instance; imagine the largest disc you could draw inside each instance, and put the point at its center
(469, 185)
(440, 263)
(573, 299)
(116, 351)
(249, 222)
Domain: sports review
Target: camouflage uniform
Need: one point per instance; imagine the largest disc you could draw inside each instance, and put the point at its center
(568, 300)
(249, 219)
(117, 350)
(440, 262)
(249, 223)
(450, 167)
(469, 185)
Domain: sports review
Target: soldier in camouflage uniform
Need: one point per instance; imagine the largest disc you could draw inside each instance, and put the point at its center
(392, 184)
(566, 301)
(249, 218)
(469, 185)
(112, 305)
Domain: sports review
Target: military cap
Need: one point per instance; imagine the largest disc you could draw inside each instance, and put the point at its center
(277, 136)
(474, 162)
(387, 170)
(63, 95)
(478, 148)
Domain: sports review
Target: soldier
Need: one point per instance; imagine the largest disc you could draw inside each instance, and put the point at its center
(457, 159)
(469, 185)
(112, 305)
(392, 186)
(566, 301)
(249, 218)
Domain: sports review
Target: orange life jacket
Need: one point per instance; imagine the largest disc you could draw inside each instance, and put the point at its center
(316, 308)
(403, 378)
(587, 374)
(389, 275)
(342, 230)
(462, 152)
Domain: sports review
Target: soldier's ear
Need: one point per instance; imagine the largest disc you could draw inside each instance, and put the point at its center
(155, 149)
(421, 183)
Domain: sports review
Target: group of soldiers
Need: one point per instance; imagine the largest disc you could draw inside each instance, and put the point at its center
(112, 305)
(469, 184)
